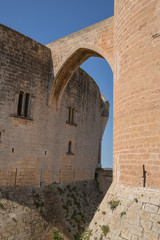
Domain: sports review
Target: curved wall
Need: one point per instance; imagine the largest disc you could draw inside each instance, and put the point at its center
(82, 96)
(34, 148)
(137, 93)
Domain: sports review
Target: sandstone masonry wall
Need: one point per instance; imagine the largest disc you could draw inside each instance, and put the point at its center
(127, 213)
(104, 178)
(25, 66)
(82, 95)
(136, 146)
(70, 52)
(34, 149)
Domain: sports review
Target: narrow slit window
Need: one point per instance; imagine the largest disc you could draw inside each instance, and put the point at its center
(73, 115)
(20, 104)
(0, 137)
(26, 107)
(69, 114)
(70, 147)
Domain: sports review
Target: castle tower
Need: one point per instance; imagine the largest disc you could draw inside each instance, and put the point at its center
(137, 92)
(130, 209)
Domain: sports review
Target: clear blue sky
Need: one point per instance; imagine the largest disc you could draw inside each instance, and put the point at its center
(48, 20)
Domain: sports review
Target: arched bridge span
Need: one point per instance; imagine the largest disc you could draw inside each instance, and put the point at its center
(71, 51)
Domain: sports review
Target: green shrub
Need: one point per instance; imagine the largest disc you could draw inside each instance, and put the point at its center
(101, 237)
(86, 234)
(136, 200)
(123, 213)
(56, 235)
(113, 204)
(105, 229)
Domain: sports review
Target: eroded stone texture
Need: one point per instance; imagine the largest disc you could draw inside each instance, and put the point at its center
(131, 45)
(32, 212)
(136, 215)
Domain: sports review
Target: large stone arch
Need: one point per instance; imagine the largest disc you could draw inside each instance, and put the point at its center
(71, 51)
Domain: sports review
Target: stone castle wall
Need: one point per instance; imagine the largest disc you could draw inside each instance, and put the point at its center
(129, 213)
(69, 52)
(136, 146)
(131, 208)
(104, 178)
(25, 66)
(34, 148)
(83, 95)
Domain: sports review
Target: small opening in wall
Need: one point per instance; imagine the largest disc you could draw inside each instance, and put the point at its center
(69, 114)
(73, 113)
(70, 148)
(0, 137)
(12, 150)
(26, 107)
(45, 153)
(144, 176)
(20, 104)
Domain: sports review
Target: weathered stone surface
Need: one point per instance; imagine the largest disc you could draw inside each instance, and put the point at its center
(136, 136)
(34, 149)
(130, 219)
(33, 211)
(130, 43)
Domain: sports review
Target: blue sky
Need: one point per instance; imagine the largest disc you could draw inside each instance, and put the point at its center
(48, 20)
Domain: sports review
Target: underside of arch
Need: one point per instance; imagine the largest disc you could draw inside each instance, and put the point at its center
(67, 70)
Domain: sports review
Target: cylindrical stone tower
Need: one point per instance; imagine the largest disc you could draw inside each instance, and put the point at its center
(137, 93)
(132, 203)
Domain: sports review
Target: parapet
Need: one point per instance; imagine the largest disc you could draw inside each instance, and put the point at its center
(105, 112)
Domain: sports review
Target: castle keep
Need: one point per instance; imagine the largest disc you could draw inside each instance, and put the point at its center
(40, 143)
(45, 98)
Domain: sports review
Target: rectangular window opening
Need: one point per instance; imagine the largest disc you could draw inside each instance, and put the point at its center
(20, 104)
(69, 114)
(73, 113)
(72, 116)
(69, 147)
(26, 107)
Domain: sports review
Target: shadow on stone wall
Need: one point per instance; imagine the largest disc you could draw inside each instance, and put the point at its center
(32, 212)
(104, 178)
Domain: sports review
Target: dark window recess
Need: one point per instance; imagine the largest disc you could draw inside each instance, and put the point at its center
(0, 137)
(12, 150)
(71, 116)
(23, 104)
(70, 148)
(26, 106)
(20, 104)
